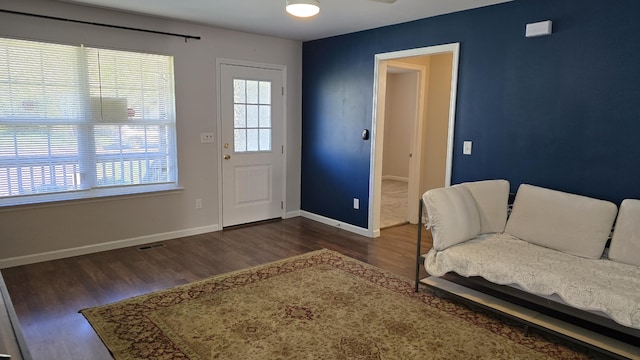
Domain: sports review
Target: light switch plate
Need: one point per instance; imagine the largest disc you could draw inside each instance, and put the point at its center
(538, 29)
(466, 149)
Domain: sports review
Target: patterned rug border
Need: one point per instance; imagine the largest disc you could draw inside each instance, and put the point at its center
(364, 271)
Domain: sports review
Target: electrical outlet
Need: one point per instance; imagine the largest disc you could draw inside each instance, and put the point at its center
(356, 203)
(198, 203)
(206, 138)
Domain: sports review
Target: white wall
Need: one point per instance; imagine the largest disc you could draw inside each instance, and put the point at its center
(40, 232)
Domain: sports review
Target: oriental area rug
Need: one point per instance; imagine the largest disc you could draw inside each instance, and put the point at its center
(320, 305)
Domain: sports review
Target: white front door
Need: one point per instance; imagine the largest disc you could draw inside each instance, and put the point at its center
(252, 144)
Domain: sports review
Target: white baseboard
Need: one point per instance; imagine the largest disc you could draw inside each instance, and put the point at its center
(338, 224)
(147, 239)
(397, 178)
(291, 214)
(118, 244)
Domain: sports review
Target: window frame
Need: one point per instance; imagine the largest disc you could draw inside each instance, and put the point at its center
(88, 127)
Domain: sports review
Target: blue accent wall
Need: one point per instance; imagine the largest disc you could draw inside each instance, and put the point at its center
(559, 111)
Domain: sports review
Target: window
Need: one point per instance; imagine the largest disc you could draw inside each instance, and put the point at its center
(79, 122)
(252, 115)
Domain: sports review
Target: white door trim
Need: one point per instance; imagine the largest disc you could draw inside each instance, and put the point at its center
(379, 91)
(218, 154)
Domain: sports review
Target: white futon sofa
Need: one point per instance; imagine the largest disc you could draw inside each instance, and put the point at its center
(552, 245)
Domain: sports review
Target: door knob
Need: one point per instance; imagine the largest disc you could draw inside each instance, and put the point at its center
(227, 157)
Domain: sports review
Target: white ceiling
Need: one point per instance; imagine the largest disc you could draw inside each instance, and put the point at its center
(268, 17)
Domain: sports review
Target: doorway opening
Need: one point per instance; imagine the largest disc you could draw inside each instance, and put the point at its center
(403, 108)
(413, 121)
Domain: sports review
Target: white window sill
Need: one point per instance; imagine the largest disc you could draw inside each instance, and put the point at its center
(101, 194)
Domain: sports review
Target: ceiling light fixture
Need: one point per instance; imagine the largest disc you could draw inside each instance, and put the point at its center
(303, 8)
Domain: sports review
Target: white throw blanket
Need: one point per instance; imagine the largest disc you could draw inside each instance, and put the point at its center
(597, 285)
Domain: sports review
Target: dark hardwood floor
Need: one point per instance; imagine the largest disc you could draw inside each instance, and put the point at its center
(48, 295)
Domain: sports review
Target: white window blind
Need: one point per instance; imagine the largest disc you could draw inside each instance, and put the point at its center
(80, 122)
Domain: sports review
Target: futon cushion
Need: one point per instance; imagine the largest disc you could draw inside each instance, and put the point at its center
(453, 215)
(570, 223)
(625, 244)
(492, 201)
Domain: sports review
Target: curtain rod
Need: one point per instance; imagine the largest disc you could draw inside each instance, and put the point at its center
(186, 37)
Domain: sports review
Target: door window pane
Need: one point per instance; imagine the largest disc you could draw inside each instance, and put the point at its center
(239, 116)
(265, 92)
(240, 140)
(252, 92)
(252, 140)
(239, 91)
(265, 116)
(265, 139)
(252, 115)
